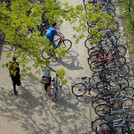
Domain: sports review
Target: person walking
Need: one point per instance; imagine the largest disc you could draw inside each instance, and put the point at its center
(51, 32)
(47, 74)
(14, 72)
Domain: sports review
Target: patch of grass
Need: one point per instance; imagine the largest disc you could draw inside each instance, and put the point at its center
(127, 19)
(128, 26)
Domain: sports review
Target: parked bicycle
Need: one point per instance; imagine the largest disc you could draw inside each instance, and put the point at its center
(125, 122)
(80, 88)
(43, 27)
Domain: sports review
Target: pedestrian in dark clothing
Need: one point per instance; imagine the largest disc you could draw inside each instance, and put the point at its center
(14, 71)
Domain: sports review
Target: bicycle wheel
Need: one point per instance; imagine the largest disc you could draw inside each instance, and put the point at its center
(122, 50)
(46, 53)
(102, 109)
(123, 70)
(117, 34)
(79, 89)
(110, 12)
(123, 81)
(113, 26)
(54, 97)
(103, 128)
(110, 41)
(87, 43)
(128, 92)
(67, 43)
(129, 128)
(105, 94)
(98, 101)
(110, 5)
(94, 78)
(43, 31)
(120, 60)
(95, 67)
(127, 103)
(95, 123)
(102, 86)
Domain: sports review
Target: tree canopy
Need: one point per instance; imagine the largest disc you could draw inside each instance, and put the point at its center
(18, 16)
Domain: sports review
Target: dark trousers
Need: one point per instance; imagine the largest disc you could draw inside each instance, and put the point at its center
(15, 81)
(14, 87)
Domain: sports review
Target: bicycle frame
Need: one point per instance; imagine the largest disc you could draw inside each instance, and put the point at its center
(59, 40)
(54, 89)
(89, 86)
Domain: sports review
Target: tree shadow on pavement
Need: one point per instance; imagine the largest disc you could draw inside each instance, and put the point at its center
(5, 47)
(38, 114)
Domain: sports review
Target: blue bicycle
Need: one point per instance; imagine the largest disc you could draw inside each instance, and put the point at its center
(80, 88)
(54, 89)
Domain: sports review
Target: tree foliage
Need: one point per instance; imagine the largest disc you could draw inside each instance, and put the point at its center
(18, 16)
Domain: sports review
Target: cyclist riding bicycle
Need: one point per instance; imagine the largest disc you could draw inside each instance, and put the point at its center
(51, 32)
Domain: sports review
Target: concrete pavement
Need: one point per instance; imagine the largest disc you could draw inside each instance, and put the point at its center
(33, 112)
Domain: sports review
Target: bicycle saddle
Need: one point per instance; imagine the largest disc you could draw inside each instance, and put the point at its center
(83, 78)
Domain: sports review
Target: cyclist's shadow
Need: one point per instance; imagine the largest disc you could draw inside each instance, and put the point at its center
(70, 61)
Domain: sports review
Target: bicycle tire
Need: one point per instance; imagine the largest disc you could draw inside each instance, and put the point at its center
(98, 101)
(111, 5)
(110, 12)
(87, 43)
(101, 127)
(101, 86)
(120, 60)
(97, 51)
(96, 122)
(129, 129)
(43, 31)
(93, 56)
(67, 43)
(90, 59)
(54, 97)
(105, 108)
(123, 70)
(95, 48)
(102, 94)
(117, 34)
(127, 103)
(81, 87)
(93, 78)
(115, 26)
(122, 50)
(128, 91)
(111, 41)
(95, 67)
(46, 54)
(118, 81)
(123, 81)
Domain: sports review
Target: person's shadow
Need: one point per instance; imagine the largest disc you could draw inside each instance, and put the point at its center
(70, 61)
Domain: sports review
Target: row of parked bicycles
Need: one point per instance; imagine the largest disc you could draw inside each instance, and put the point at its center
(114, 99)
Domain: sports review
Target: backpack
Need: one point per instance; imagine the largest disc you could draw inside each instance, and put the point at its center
(49, 33)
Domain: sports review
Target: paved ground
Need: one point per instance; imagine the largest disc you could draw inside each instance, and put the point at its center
(33, 112)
